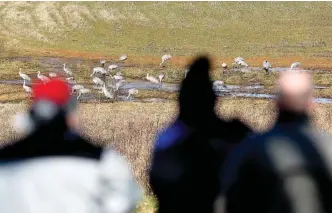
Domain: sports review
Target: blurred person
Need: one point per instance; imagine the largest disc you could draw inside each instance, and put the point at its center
(287, 169)
(188, 154)
(53, 169)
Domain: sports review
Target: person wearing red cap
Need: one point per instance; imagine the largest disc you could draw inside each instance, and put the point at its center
(54, 169)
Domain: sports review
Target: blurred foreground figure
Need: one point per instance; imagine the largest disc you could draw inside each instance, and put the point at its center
(287, 169)
(188, 154)
(53, 169)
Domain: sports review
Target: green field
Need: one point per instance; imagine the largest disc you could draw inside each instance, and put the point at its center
(225, 29)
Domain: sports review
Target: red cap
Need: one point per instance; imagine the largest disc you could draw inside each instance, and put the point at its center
(55, 90)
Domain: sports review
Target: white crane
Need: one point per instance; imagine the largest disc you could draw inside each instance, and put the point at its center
(218, 84)
(117, 77)
(112, 67)
(224, 66)
(102, 62)
(161, 77)
(186, 72)
(52, 74)
(123, 57)
(267, 66)
(24, 76)
(119, 84)
(295, 65)
(165, 58)
(72, 82)
(152, 79)
(98, 81)
(76, 87)
(240, 61)
(107, 93)
(67, 70)
(132, 91)
(100, 70)
(83, 91)
(243, 63)
(26, 88)
(43, 78)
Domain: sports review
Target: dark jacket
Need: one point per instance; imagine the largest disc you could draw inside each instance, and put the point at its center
(55, 170)
(188, 154)
(284, 170)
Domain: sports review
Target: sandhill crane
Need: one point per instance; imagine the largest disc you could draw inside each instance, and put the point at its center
(98, 81)
(43, 78)
(83, 91)
(132, 91)
(240, 61)
(67, 70)
(119, 84)
(295, 65)
(52, 74)
(123, 57)
(102, 62)
(267, 66)
(218, 84)
(72, 82)
(76, 87)
(112, 67)
(161, 77)
(224, 66)
(186, 72)
(152, 79)
(24, 76)
(26, 88)
(243, 63)
(107, 93)
(117, 77)
(165, 58)
(100, 70)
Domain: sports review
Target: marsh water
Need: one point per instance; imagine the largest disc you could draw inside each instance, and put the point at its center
(55, 64)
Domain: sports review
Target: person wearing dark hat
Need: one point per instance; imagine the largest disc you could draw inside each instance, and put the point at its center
(187, 156)
(53, 169)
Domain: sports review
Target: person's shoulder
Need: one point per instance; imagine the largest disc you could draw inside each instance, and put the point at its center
(168, 137)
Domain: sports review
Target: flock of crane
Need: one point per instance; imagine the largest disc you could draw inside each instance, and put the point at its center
(99, 82)
(118, 81)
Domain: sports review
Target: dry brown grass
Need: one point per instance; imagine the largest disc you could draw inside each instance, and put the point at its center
(131, 127)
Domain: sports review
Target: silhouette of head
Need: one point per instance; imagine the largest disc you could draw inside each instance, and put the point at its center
(197, 98)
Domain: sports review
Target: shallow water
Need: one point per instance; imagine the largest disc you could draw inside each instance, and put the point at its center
(55, 64)
(268, 96)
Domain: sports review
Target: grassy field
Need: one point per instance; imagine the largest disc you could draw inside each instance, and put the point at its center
(279, 31)
(131, 127)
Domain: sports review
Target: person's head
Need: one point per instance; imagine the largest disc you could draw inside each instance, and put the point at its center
(294, 92)
(53, 109)
(197, 98)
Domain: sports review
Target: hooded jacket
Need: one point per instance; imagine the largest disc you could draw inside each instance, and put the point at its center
(188, 154)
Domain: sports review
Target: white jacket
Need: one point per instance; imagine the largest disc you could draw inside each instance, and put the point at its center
(68, 185)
